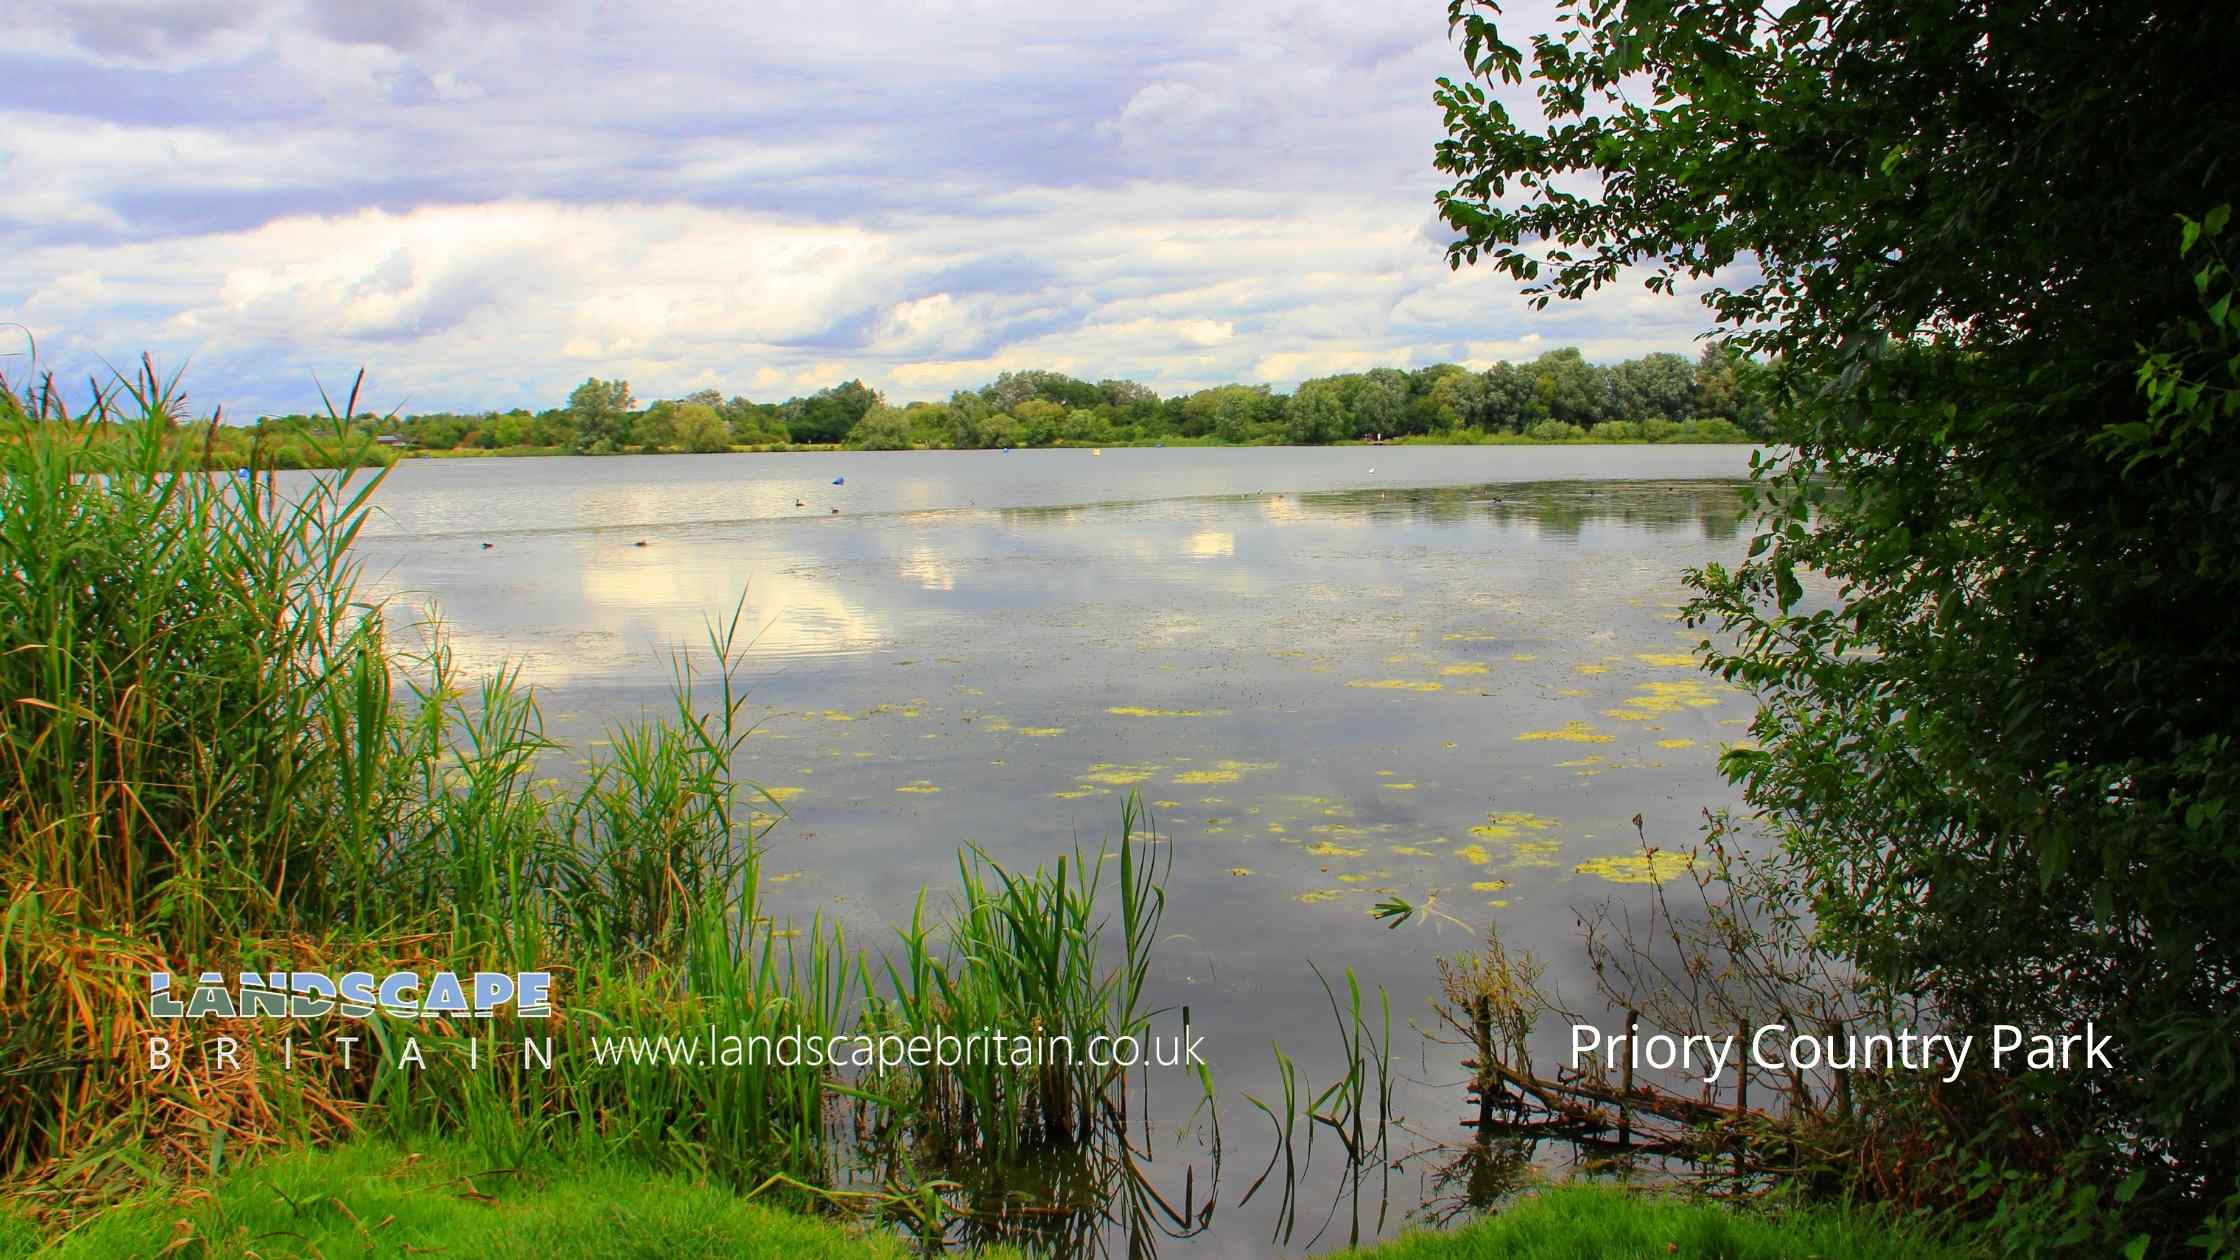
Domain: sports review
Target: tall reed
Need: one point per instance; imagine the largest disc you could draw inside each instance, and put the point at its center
(212, 757)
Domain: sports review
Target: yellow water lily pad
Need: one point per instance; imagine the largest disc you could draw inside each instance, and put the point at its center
(1572, 732)
(1396, 684)
(1116, 776)
(1654, 867)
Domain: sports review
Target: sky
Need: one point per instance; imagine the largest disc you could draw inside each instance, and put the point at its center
(483, 204)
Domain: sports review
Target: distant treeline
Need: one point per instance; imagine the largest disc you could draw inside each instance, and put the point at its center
(1556, 397)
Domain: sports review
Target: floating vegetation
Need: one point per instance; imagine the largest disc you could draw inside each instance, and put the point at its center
(920, 787)
(1590, 669)
(1676, 660)
(1656, 698)
(1682, 742)
(1042, 732)
(1534, 852)
(1240, 871)
(1075, 794)
(1275, 829)
(1396, 684)
(1206, 776)
(1398, 787)
(1116, 776)
(837, 715)
(1522, 656)
(1572, 732)
(1318, 896)
(786, 878)
(1168, 804)
(1489, 885)
(1468, 638)
(1132, 710)
(1653, 867)
(1509, 824)
(1463, 670)
(1363, 877)
(1245, 766)
(1409, 850)
(783, 793)
(995, 725)
(1474, 854)
(1326, 848)
(1591, 759)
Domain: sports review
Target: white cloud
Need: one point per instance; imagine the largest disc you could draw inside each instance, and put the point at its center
(486, 204)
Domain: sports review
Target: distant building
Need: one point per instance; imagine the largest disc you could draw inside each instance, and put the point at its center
(392, 440)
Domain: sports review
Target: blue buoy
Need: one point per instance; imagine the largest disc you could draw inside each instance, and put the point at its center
(839, 481)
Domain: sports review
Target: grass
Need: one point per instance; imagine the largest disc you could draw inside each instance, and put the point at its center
(391, 1198)
(384, 1198)
(1594, 1223)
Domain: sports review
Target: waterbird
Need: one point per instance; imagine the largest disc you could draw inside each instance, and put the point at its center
(839, 481)
(836, 511)
(488, 546)
(640, 543)
(799, 503)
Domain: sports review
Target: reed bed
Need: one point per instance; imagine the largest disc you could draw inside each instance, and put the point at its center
(213, 757)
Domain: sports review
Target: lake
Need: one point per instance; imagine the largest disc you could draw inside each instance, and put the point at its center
(1334, 674)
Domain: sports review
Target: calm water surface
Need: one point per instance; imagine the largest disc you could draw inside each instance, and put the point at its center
(1335, 674)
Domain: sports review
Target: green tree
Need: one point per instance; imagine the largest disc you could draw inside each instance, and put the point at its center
(1652, 386)
(882, 428)
(830, 414)
(1038, 421)
(513, 429)
(654, 429)
(697, 427)
(1568, 388)
(600, 409)
(1983, 245)
(1314, 415)
(1380, 403)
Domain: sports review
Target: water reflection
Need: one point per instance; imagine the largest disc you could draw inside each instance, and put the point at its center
(1446, 684)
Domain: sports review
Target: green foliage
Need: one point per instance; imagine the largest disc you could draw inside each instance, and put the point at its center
(213, 759)
(697, 427)
(435, 1196)
(599, 410)
(882, 429)
(1998, 725)
(1036, 408)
